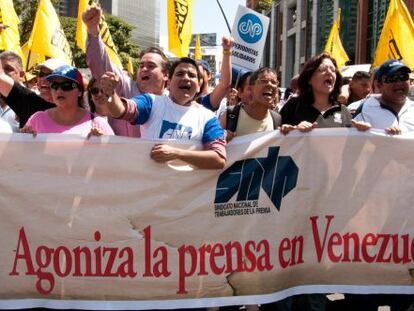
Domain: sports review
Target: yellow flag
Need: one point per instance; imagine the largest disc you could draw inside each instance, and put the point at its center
(10, 38)
(179, 26)
(81, 34)
(197, 49)
(334, 45)
(47, 37)
(130, 67)
(33, 59)
(397, 36)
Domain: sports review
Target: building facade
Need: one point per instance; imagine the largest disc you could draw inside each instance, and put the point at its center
(210, 51)
(143, 15)
(299, 29)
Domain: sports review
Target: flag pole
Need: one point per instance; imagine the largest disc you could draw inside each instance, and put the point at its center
(224, 15)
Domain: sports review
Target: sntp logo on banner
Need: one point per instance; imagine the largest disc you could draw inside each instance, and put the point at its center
(276, 175)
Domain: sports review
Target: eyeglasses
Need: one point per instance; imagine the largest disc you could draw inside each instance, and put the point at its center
(402, 77)
(324, 68)
(42, 74)
(95, 91)
(64, 86)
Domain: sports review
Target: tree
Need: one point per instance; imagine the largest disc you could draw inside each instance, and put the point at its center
(264, 5)
(69, 28)
(26, 10)
(120, 31)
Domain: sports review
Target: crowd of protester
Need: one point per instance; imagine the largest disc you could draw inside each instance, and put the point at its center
(175, 101)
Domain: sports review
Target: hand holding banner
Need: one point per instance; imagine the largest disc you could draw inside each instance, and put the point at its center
(285, 216)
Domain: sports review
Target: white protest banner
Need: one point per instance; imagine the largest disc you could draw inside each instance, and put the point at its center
(97, 224)
(249, 32)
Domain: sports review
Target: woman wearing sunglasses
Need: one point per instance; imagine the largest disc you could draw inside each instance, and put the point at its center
(69, 116)
(97, 99)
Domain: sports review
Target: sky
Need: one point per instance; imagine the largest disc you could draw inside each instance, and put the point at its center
(207, 17)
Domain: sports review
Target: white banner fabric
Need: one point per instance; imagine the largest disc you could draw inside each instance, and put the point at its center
(97, 224)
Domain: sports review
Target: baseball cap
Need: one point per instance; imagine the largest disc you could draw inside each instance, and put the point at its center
(389, 68)
(67, 72)
(52, 64)
(205, 65)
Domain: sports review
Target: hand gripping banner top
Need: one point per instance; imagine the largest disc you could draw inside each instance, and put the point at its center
(97, 224)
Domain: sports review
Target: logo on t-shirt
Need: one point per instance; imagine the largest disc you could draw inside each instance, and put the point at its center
(276, 175)
(176, 131)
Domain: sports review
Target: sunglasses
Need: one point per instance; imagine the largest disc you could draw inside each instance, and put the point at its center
(402, 77)
(64, 86)
(95, 90)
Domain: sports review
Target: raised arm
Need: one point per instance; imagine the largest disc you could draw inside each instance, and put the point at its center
(97, 57)
(6, 83)
(220, 91)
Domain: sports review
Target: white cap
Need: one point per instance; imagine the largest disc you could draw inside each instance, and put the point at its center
(52, 64)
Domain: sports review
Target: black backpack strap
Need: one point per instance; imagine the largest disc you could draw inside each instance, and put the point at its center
(277, 119)
(232, 117)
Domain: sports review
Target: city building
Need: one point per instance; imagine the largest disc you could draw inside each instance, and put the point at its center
(143, 15)
(300, 28)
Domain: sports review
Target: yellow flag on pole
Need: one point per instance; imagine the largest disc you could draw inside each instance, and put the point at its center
(397, 36)
(197, 49)
(10, 38)
(33, 59)
(334, 45)
(81, 34)
(47, 37)
(130, 67)
(179, 26)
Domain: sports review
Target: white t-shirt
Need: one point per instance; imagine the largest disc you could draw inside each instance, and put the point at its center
(381, 116)
(5, 127)
(161, 118)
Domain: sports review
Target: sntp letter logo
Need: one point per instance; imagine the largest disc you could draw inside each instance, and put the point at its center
(276, 175)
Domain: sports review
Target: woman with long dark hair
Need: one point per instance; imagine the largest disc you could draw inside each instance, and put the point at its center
(317, 104)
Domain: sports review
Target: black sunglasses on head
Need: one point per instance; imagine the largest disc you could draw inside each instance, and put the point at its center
(402, 77)
(64, 86)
